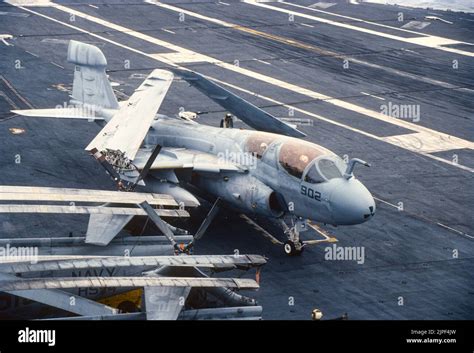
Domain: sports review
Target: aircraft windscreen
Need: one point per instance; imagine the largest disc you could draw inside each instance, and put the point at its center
(295, 155)
(329, 169)
(325, 169)
(313, 176)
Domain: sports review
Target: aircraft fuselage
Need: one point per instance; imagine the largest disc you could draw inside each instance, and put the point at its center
(279, 174)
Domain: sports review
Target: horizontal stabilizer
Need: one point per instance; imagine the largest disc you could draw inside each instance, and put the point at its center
(61, 113)
(246, 111)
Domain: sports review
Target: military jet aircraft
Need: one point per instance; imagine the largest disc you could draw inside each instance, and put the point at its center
(269, 171)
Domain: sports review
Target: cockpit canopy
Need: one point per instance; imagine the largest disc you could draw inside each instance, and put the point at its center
(309, 162)
(301, 159)
(258, 142)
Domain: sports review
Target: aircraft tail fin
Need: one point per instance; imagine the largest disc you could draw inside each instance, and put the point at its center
(91, 85)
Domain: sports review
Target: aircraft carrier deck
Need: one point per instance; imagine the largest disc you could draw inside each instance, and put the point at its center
(338, 66)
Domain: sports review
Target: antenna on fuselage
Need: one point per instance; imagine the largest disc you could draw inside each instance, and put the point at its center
(351, 165)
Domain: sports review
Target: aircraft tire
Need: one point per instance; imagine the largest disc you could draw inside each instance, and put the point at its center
(290, 248)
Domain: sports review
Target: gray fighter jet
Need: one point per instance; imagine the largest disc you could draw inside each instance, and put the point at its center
(268, 171)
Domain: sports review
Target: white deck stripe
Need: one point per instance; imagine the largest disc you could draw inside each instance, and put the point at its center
(355, 19)
(167, 30)
(447, 141)
(308, 47)
(262, 61)
(433, 42)
(373, 96)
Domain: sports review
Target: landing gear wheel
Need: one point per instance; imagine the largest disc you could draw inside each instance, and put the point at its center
(291, 250)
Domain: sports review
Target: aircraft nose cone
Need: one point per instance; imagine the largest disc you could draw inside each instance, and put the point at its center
(351, 202)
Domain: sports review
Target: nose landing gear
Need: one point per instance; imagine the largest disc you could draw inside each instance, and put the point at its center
(293, 246)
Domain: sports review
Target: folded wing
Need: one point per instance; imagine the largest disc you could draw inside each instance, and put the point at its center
(247, 112)
(127, 129)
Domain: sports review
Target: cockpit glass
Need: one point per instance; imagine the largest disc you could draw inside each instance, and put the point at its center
(328, 169)
(313, 176)
(258, 143)
(295, 155)
(325, 168)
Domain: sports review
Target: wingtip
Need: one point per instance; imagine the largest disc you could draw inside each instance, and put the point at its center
(296, 133)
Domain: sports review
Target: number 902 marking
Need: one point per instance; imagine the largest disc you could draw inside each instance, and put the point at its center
(312, 194)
